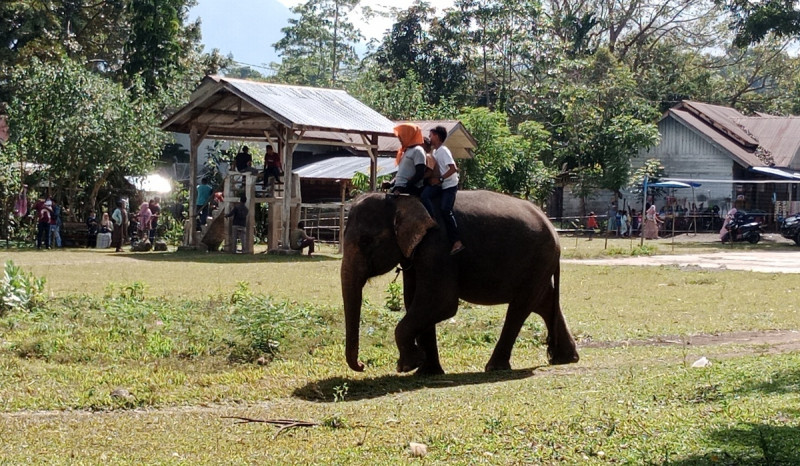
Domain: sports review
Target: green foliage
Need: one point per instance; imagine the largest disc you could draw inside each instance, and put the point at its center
(394, 297)
(653, 171)
(20, 291)
(420, 47)
(404, 99)
(319, 44)
(100, 130)
(262, 323)
(754, 20)
(157, 42)
(599, 124)
(504, 161)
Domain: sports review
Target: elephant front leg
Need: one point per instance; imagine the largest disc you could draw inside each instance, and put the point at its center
(411, 355)
(427, 341)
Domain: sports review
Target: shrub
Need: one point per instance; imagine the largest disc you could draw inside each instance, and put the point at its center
(20, 291)
(263, 323)
(394, 300)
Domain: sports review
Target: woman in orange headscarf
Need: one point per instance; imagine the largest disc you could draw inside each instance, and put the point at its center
(410, 159)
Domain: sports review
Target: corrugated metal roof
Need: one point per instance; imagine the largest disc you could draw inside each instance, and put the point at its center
(753, 141)
(740, 154)
(779, 135)
(336, 168)
(241, 108)
(313, 107)
(725, 117)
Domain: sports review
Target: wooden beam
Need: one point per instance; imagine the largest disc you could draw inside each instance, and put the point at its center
(373, 161)
(194, 142)
(286, 214)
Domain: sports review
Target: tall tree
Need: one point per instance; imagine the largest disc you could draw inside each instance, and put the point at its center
(319, 44)
(82, 127)
(755, 20)
(157, 42)
(504, 161)
(599, 123)
(421, 43)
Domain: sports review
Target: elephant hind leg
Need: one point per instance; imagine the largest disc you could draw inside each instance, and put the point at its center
(561, 348)
(518, 311)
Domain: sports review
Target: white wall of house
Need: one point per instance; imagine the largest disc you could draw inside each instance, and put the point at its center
(686, 154)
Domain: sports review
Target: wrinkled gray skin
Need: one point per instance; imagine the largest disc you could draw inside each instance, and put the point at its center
(511, 256)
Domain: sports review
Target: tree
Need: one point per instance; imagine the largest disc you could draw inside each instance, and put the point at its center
(82, 127)
(599, 124)
(507, 162)
(129, 40)
(157, 42)
(754, 20)
(406, 99)
(422, 44)
(319, 44)
(622, 26)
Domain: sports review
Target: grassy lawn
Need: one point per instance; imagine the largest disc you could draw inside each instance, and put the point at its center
(194, 337)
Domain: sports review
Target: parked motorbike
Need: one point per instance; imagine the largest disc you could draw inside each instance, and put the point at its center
(740, 228)
(790, 228)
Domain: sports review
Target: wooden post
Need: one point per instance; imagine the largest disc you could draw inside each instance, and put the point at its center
(194, 142)
(373, 163)
(341, 213)
(250, 191)
(286, 211)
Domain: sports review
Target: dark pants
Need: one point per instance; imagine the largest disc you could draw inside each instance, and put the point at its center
(448, 199)
(272, 171)
(309, 243)
(43, 234)
(202, 215)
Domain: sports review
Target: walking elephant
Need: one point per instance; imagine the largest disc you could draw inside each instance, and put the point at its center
(511, 256)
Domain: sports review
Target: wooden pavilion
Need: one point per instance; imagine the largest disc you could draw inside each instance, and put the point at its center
(285, 116)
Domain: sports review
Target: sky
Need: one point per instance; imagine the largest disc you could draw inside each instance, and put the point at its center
(248, 28)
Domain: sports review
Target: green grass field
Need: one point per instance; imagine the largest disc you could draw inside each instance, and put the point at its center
(194, 337)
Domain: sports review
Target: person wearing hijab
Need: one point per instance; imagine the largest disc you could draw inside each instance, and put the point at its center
(410, 159)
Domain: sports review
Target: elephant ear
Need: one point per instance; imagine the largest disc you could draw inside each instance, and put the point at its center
(411, 223)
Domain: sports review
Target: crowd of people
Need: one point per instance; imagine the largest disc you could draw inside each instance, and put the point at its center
(111, 230)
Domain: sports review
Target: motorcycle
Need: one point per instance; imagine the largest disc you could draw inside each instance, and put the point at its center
(790, 228)
(740, 228)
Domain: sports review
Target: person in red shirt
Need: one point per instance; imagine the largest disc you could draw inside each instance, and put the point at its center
(272, 166)
(42, 224)
(591, 224)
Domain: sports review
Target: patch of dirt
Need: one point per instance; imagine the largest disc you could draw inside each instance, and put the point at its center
(768, 337)
(754, 261)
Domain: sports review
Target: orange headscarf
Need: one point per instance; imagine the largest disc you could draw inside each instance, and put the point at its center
(409, 135)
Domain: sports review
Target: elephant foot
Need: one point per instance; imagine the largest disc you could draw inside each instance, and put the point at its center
(428, 369)
(409, 363)
(492, 366)
(563, 357)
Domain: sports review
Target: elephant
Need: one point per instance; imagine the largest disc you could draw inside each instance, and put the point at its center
(511, 256)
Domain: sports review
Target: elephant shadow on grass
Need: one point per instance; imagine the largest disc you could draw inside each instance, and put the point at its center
(328, 390)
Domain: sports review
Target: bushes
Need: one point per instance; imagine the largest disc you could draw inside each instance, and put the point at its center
(20, 291)
(263, 324)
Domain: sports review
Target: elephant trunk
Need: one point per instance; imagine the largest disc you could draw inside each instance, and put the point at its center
(352, 285)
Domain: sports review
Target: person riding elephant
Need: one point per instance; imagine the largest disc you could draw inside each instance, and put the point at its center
(410, 159)
(511, 256)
